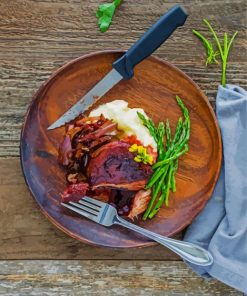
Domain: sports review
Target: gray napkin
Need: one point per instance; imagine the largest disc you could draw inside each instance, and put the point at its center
(222, 226)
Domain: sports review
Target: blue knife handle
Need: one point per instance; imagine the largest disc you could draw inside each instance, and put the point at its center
(150, 41)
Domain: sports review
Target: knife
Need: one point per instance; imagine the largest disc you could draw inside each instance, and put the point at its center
(123, 67)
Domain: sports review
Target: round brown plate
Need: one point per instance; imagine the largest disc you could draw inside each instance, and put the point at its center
(153, 88)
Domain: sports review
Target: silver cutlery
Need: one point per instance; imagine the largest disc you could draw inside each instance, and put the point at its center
(123, 67)
(106, 215)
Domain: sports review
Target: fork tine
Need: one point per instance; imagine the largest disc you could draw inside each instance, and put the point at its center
(94, 201)
(85, 208)
(81, 212)
(89, 205)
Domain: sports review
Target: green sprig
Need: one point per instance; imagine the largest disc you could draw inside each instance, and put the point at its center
(211, 53)
(223, 51)
(105, 14)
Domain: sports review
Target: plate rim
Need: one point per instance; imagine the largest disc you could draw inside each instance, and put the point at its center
(36, 97)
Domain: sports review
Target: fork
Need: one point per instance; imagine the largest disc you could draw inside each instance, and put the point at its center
(105, 214)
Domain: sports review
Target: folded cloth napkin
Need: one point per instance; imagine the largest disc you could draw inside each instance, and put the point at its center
(221, 227)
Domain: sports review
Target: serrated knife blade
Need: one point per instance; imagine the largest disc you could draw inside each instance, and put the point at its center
(123, 67)
(102, 87)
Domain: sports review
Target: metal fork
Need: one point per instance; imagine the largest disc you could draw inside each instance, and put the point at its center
(106, 215)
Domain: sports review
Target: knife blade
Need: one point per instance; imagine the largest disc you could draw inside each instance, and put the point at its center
(123, 67)
(102, 87)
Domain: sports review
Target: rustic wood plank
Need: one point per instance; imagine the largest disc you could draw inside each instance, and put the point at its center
(26, 234)
(105, 278)
(36, 37)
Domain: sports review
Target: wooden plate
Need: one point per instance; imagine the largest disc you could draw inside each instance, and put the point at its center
(153, 88)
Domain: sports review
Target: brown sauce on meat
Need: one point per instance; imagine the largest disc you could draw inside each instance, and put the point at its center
(122, 200)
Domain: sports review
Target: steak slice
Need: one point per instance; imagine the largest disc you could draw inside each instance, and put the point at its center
(74, 192)
(139, 203)
(113, 166)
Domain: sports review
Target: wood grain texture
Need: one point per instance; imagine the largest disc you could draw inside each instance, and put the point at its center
(36, 37)
(105, 278)
(153, 87)
(26, 234)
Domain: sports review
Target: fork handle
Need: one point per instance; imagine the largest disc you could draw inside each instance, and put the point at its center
(188, 251)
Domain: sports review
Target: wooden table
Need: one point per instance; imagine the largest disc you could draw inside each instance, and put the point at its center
(37, 37)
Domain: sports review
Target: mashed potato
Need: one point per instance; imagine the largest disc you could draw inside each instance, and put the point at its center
(127, 120)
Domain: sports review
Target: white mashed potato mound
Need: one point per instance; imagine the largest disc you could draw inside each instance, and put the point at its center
(127, 120)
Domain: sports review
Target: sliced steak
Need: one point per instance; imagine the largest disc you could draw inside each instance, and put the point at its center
(114, 166)
(139, 203)
(74, 192)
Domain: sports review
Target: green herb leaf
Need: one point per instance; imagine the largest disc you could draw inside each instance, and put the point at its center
(105, 14)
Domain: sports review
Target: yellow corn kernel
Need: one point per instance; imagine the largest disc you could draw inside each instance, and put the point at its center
(150, 159)
(142, 155)
(133, 148)
(137, 159)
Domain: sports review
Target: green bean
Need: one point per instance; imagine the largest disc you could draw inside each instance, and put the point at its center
(149, 124)
(150, 205)
(168, 135)
(156, 176)
(160, 136)
(173, 181)
(157, 134)
(154, 212)
(167, 160)
(185, 139)
(178, 130)
(155, 192)
(182, 106)
(163, 196)
(163, 177)
(168, 186)
(180, 134)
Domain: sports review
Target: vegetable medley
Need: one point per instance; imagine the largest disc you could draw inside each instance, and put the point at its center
(119, 156)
